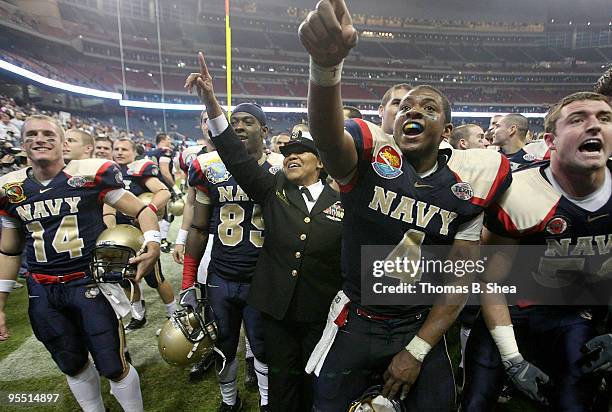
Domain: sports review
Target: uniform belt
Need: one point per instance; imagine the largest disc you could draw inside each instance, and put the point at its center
(52, 279)
(363, 313)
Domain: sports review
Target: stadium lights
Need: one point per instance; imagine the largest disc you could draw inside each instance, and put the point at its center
(191, 107)
(57, 84)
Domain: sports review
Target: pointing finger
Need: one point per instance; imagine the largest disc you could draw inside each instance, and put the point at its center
(203, 67)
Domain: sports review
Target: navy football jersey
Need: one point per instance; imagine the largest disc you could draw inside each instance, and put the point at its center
(520, 158)
(236, 221)
(576, 243)
(63, 219)
(160, 155)
(135, 176)
(387, 203)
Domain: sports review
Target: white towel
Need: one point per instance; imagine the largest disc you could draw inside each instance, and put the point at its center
(338, 307)
(117, 298)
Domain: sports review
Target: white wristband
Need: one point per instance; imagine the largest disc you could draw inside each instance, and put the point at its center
(325, 76)
(152, 236)
(6, 285)
(418, 348)
(505, 341)
(181, 238)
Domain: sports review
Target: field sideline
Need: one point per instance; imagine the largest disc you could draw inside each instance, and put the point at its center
(26, 366)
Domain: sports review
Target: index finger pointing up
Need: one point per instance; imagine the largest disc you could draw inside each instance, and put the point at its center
(203, 68)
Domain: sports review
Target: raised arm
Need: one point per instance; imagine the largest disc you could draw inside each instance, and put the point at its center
(328, 35)
(254, 180)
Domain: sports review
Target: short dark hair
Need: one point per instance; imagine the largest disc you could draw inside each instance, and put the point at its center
(446, 107)
(460, 132)
(104, 139)
(159, 137)
(604, 84)
(550, 120)
(387, 96)
(521, 123)
(353, 112)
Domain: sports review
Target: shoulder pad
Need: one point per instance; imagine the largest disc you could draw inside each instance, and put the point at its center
(483, 169)
(528, 203)
(275, 159)
(538, 148)
(86, 167)
(17, 176)
(137, 168)
(208, 158)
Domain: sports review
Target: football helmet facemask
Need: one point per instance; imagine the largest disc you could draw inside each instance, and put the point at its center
(114, 248)
(186, 338)
(176, 207)
(366, 403)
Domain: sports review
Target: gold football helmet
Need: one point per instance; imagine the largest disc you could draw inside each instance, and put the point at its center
(366, 403)
(147, 197)
(186, 338)
(112, 252)
(176, 207)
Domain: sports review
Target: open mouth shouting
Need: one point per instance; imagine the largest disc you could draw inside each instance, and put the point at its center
(412, 128)
(591, 146)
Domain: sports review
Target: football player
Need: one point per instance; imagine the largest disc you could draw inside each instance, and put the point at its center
(509, 134)
(103, 148)
(389, 104)
(381, 178)
(163, 155)
(141, 176)
(468, 136)
(569, 203)
(56, 211)
(79, 145)
(224, 209)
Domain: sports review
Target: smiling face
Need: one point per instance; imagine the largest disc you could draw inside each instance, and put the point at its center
(123, 152)
(420, 123)
(582, 139)
(250, 132)
(302, 168)
(43, 141)
(103, 150)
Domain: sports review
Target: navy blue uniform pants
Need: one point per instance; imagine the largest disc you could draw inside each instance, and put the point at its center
(364, 348)
(74, 320)
(228, 300)
(548, 337)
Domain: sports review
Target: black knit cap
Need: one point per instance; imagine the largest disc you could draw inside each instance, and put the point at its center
(253, 109)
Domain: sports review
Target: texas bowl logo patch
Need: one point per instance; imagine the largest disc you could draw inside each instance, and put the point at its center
(76, 181)
(462, 190)
(275, 169)
(154, 170)
(119, 177)
(557, 225)
(388, 162)
(216, 172)
(14, 192)
(335, 212)
(529, 157)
